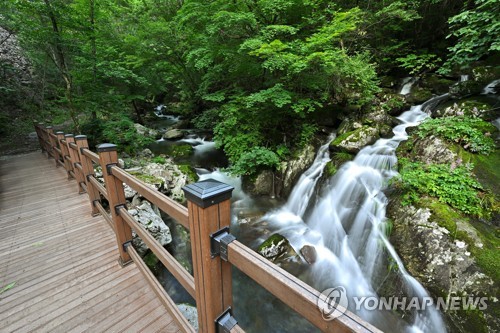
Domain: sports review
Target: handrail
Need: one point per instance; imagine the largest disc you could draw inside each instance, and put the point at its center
(104, 214)
(99, 186)
(90, 154)
(293, 292)
(180, 273)
(160, 292)
(169, 206)
(208, 213)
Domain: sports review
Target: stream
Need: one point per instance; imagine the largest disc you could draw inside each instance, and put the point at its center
(344, 219)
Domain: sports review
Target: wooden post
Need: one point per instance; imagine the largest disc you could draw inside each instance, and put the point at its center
(75, 158)
(39, 134)
(108, 156)
(48, 141)
(60, 156)
(88, 170)
(209, 209)
(65, 153)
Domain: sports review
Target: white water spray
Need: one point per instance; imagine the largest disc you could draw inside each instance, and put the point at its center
(407, 84)
(347, 224)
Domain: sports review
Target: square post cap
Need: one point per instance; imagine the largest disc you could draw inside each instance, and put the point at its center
(104, 147)
(80, 137)
(68, 135)
(208, 192)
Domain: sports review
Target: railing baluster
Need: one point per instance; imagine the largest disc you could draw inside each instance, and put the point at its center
(60, 154)
(65, 153)
(39, 134)
(209, 212)
(116, 197)
(88, 170)
(48, 142)
(75, 158)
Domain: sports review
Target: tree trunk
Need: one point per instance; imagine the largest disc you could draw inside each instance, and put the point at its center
(60, 61)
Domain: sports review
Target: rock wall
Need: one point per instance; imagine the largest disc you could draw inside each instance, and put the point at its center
(11, 54)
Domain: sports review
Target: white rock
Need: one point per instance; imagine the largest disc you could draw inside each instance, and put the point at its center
(153, 223)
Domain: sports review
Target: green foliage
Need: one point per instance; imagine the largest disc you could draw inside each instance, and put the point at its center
(122, 133)
(151, 261)
(453, 186)
(189, 171)
(342, 157)
(416, 64)
(7, 287)
(467, 131)
(252, 161)
(159, 160)
(476, 30)
(330, 169)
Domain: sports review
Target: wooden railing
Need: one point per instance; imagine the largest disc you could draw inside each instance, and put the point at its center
(214, 249)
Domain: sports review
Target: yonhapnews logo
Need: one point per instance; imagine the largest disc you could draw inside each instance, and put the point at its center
(332, 303)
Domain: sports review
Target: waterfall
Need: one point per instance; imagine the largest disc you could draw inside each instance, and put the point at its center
(302, 192)
(407, 84)
(490, 88)
(347, 223)
(200, 145)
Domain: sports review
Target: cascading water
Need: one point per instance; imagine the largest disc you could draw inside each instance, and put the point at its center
(407, 84)
(301, 194)
(346, 225)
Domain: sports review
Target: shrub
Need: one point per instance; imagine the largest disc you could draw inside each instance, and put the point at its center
(255, 159)
(453, 186)
(468, 132)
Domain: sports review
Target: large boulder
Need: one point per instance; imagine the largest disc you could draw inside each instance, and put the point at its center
(261, 184)
(173, 134)
(418, 95)
(153, 223)
(191, 313)
(292, 169)
(167, 177)
(144, 131)
(278, 250)
(173, 178)
(471, 108)
(437, 84)
(352, 142)
(442, 263)
(432, 149)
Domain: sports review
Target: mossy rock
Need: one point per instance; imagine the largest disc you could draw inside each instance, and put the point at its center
(330, 169)
(190, 172)
(275, 247)
(466, 88)
(419, 95)
(485, 167)
(151, 261)
(436, 84)
(471, 107)
(181, 150)
(352, 142)
(148, 179)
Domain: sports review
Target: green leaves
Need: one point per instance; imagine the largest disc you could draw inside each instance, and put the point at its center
(7, 287)
(466, 131)
(476, 30)
(418, 63)
(277, 95)
(450, 185)
(250, 162)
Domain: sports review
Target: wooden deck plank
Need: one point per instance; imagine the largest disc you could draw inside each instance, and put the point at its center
(63, 260)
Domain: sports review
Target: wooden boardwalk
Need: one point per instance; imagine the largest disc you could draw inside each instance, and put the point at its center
(64, 261)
